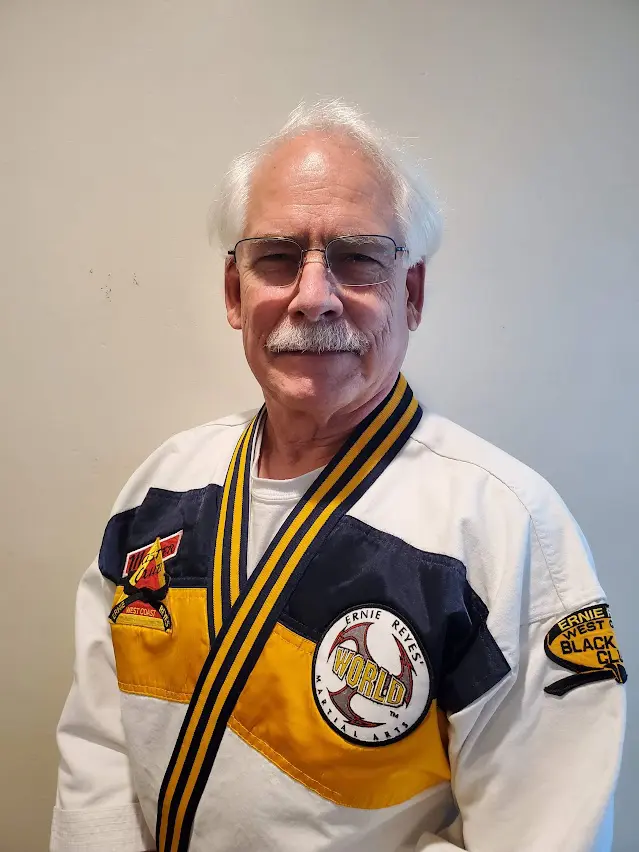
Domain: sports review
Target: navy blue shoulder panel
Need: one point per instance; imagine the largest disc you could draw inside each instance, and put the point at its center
(361, 565)
(164, 514)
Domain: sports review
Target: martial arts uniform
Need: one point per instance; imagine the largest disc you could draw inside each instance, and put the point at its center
(407, 650)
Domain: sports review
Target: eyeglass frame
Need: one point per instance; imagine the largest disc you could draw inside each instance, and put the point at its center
(398, 249)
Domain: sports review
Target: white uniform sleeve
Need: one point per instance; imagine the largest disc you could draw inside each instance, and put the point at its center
(531, 771)
(96, 808)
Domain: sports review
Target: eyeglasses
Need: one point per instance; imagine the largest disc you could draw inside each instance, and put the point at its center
(352, 261)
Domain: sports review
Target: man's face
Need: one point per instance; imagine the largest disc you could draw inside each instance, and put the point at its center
(315, 188)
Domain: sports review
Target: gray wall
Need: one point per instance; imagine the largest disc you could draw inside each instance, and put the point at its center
(118, 119)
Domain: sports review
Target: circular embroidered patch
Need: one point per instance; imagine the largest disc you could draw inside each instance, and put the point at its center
(371, 676)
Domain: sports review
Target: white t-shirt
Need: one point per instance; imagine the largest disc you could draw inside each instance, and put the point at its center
(271, 502)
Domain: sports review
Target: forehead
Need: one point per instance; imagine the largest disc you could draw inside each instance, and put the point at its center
(318, 186)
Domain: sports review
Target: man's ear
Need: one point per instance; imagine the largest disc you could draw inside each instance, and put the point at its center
(415, 278)
(232, 294)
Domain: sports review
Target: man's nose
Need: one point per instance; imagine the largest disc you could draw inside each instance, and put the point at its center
(315, 297)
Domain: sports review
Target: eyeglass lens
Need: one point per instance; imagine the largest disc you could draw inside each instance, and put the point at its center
(353, 261)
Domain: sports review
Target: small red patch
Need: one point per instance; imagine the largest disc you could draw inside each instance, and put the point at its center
(143, 600)
(134, 559)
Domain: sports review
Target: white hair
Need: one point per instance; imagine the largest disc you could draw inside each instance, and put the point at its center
(415, 206)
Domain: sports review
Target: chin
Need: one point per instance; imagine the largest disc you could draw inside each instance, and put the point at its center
(327, 380)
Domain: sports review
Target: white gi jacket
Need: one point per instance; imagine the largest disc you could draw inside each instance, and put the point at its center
(454, 591)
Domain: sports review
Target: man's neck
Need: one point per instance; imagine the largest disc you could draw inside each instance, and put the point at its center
(295, 442)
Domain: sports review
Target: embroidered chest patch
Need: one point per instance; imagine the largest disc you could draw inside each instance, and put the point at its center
(585, 643)
(371, 676)
(145, 586)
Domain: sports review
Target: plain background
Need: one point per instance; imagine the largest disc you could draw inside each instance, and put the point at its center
(118, 120)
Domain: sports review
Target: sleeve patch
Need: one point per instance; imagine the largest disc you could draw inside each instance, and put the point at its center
(585, 643)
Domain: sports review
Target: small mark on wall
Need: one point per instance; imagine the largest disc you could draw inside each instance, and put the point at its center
(106, 289)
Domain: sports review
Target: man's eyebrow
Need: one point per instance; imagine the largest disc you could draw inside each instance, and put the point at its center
(265, 233)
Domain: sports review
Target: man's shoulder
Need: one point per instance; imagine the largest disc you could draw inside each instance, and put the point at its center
(503, 500)
(475, 459)
(205, 438)
(188, 460)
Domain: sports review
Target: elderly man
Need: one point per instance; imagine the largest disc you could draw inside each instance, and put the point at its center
(340, 623)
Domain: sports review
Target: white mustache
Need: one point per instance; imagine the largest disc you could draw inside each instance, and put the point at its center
(326, 336)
